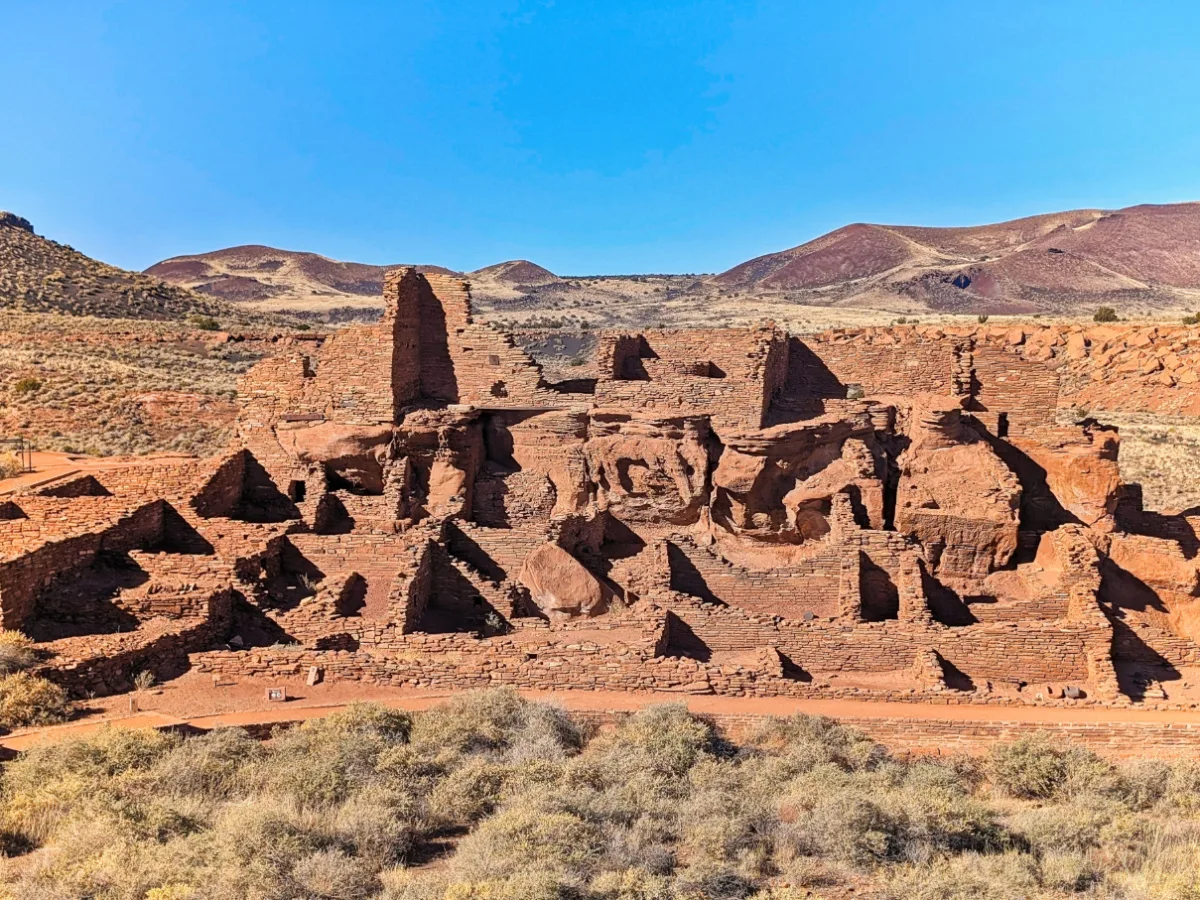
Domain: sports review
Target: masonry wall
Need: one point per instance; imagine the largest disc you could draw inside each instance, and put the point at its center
(463, 361)
(730, 374)
(821, 366)
(24, 577)
(810, 586)
(1025, 390)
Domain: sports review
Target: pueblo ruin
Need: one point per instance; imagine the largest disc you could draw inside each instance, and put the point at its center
(903, 514)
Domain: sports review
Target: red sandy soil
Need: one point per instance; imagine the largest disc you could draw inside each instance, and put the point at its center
(196, 701)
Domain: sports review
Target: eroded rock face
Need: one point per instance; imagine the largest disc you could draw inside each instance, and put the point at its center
(442, 452)
(778, 485)
(560, 586)
(1080, 469)
(955, 495)
(649, 470)
(12, 220)
(355, 454)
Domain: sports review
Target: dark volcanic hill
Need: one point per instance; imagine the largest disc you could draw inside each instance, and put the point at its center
(516, 272)
(278, 279)
(41, 275)
(1141, 257)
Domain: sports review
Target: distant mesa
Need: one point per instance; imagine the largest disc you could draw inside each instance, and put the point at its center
(517, 271)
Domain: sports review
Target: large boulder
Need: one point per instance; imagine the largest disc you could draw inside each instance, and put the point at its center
(356, 454)
(560, 586)
(955, 496)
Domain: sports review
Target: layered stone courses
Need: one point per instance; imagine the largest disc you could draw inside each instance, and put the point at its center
(889, 513)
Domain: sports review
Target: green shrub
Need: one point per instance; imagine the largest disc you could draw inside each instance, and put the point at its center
(29, 700)
(1105, 314)
(981, 318)
(204, 323)
(27, 385)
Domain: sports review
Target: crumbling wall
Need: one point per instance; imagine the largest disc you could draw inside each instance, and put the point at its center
(729, 374)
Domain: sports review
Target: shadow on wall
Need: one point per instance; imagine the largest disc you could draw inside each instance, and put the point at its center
(86, 601)
(455, 604)
(945, 605)
(1136, 662)
(682, 641)
(1040, 509)
(178, 535)
(880, 596)
(809, 383)
(1136, 519)
(438, 378)
(687, 579)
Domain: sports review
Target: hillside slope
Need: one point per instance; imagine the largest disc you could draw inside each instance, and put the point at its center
(273, 279)
(1140, 258)
(40, 275)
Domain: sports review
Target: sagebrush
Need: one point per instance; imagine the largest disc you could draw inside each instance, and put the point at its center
(491, 796)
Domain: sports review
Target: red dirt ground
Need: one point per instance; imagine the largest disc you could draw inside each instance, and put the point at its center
(195, 701)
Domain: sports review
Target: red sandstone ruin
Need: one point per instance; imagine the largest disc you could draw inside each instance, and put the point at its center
(884, 513)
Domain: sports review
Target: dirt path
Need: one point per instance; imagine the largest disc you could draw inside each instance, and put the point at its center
(205, 717)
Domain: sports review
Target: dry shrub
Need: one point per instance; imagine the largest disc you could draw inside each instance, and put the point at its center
(469, 792)
(30, 700)
(326, 760)
(496, 721)
(334, 875)
(16, 650)
(1030, 768)
(971, 876)
(808, 741)
(50, 783)
(526, 837)
(10, 465)
(630, 884)
(211, 765)
(656, 807)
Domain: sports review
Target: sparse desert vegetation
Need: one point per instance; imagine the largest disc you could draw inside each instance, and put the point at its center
(116, 386)
(491, 796)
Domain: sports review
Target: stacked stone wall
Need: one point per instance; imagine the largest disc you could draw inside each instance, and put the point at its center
(728, 374)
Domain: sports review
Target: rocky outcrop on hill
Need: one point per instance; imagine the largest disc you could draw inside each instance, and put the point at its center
(12, 220)
(40, 275)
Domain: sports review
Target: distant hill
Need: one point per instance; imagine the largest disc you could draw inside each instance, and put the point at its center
(1139, 260)
(516, 272)
(279, 279)
(1142, 257)
(41, 275)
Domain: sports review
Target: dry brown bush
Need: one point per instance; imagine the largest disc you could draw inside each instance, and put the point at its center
(29, 700)
(656, 807)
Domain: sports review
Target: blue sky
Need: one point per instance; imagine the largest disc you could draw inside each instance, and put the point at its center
(591, 137)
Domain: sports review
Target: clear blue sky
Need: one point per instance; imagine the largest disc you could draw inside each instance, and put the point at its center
(587, 136)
